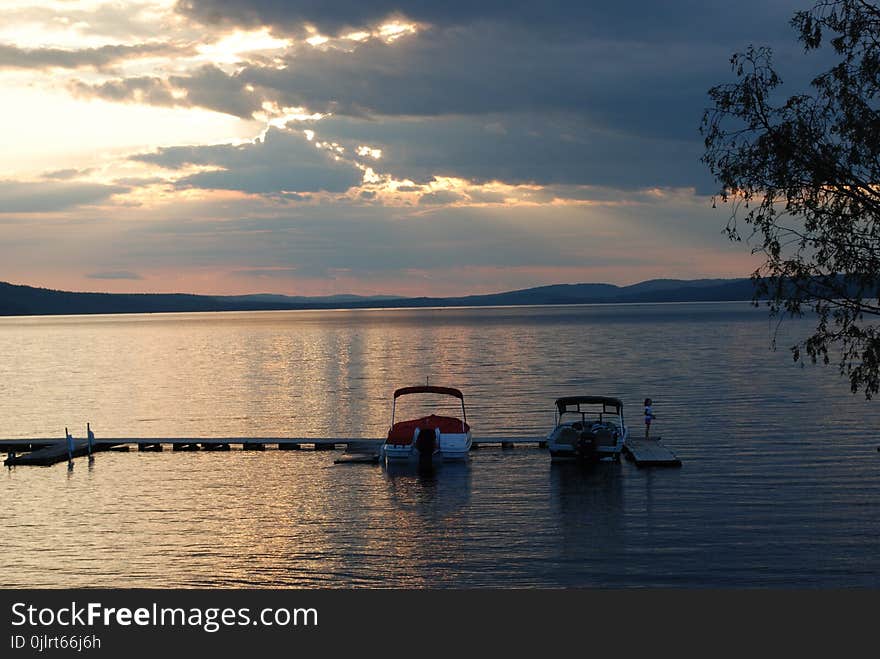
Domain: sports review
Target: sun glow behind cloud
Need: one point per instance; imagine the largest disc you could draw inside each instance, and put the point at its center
(231, 48)
(43, 139)
(386, 32)
(394, 30)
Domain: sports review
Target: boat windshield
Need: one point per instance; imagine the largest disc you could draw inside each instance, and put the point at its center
(588, 413)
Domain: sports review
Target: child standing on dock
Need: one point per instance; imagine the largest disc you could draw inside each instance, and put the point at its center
(649, 416)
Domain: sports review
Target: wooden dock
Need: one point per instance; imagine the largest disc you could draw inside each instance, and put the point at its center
(49, 451)
(48, 454)
(650, 453)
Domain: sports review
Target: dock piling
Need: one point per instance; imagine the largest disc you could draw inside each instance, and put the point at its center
(69, 440)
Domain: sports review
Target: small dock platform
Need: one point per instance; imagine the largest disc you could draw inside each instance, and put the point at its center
(650, 453)
(49, 454)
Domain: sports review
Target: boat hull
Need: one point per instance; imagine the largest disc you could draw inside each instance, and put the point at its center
(409, 455)
(567, 455)
(455, 446)
(564, 448)
(452, 447)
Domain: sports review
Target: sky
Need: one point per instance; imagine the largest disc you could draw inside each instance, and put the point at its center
(407, 147)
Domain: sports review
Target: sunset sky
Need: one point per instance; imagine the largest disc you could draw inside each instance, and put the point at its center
(390, 147)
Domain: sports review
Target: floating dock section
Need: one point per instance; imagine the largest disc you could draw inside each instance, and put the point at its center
(650, 453)
(45, 454)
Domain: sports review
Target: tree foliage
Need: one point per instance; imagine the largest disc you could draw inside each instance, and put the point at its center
(802, 175)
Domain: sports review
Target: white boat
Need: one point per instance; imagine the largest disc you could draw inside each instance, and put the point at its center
(428, 439)
(587, 428)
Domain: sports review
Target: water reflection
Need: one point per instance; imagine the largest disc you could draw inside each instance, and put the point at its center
(429, 493)
(588, 503)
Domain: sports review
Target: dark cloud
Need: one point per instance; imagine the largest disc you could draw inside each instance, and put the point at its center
(47, 196)
(210, 87)
(544, 150)
(645, 20)
(283, 162)
(644, 67)
(639, 87)
(13, 57)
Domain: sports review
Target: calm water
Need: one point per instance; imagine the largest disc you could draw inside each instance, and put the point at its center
(780, 484)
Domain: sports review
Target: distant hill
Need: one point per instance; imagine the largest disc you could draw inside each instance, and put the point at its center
(658, 290)
(18, 300)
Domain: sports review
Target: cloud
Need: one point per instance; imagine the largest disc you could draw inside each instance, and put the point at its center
(13, 57)
(122, 21)
(645, 19)
(210, 87)
(282, 162)
(114, 274)
(611, 95)
(440, 197)
(267, 273)
(319, 240)
(66, 174)
(207, 87)
(150, 90)
(442, 106)
(31, 197)
(544, 150)
(486, 69)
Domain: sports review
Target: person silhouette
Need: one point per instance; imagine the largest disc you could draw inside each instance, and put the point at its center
(649, 416)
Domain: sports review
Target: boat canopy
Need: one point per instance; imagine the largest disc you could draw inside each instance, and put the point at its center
(573, 403)
(427, 389)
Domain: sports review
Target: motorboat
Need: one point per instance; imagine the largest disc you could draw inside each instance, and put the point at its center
(428, 439)
(587, 428)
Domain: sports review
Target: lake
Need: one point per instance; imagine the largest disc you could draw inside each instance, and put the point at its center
(780, 481)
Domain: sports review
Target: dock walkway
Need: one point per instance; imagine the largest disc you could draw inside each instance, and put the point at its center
(48, 451)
